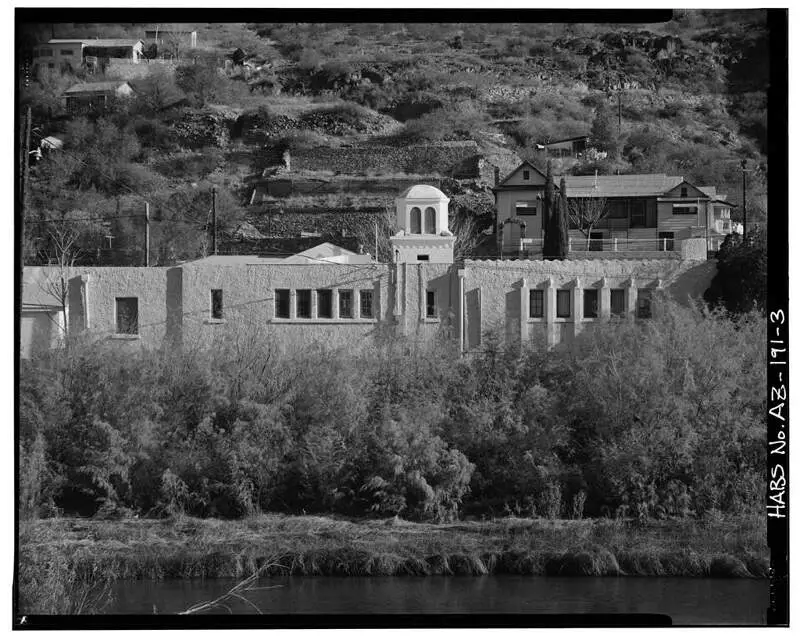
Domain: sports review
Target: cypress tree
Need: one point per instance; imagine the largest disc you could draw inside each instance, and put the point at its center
(563, 221)
(548, 246)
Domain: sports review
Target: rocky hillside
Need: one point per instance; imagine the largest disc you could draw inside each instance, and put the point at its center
(455, 105)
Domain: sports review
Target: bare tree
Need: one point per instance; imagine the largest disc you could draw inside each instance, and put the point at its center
(467, 235)
(586, 213)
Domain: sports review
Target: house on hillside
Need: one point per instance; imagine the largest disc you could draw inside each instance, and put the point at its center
(86, 97)
(632, 214)
(184, 36)
(566, 148)
(72, 54)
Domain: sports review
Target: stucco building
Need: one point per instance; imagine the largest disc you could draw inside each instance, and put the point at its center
(339, 298)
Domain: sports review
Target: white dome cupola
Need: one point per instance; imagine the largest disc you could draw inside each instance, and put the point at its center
(422, 221)
(422, 210)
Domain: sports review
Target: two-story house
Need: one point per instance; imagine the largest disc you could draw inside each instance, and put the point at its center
(634, 214)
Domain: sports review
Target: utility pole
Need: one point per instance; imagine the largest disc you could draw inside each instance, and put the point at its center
(23, 196)
(146, 234)
(744, 200)
(214, 220)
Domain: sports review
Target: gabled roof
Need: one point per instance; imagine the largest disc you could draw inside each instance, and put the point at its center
(328, 252)
(112, 42)
(96, 87)
(547, 144)
(651, 184)
(525, 164)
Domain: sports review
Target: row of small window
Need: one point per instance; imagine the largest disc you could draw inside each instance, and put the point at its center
(347, 303)
(591, 303)
(416, 220)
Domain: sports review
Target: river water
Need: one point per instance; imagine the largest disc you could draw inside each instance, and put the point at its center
(688, 601)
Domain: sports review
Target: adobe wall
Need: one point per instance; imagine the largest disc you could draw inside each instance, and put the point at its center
(249, 303)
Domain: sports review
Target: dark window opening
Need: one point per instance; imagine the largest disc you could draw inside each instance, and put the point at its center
(430, 220)
(430, 304)
(281, 303)
(590, 304)
(526, 175)
(304, 303)
(537, 303)
(596, 241)
(324, 303)
(617, 302)
(216, 304)
(128, 315)
(416, 220)
(366, 303)
(684, 192)
(345, 304)
(423, 257)
(644, 304)
(563, 303)
(666, 241)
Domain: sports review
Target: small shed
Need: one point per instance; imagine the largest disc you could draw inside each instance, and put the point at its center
(95, 96)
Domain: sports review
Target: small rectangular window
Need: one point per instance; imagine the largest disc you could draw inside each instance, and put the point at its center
(430, 304)
(324, 303)
(281, 303)
(128, 315)
(66, 52)
(345, 303)
(590, 305)
(617, 302)
(424, 257)
(525, 208)
(644, 304)
(526, 175)
(366, 303)
(563, 303)
(216, 304)
(304, 303)
(684, 210)
(537, 303)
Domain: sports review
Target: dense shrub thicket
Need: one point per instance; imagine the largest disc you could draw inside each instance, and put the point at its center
(655, 419)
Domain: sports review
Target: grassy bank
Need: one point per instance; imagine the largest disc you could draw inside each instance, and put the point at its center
(94, 551)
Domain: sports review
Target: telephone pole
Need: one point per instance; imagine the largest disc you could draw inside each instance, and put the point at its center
(25, 157)
(146, 234)
(214, 220)
(744, 200)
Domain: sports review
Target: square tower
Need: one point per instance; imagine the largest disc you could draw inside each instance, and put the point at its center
(422, 221)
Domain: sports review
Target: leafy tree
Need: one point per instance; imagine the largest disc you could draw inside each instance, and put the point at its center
(740, 284)
(200, 80)
(603, 135)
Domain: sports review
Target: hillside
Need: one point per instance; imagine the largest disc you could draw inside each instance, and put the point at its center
(311, 129)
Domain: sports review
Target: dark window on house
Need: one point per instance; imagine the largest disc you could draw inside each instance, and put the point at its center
(216, 304)
(590, 303)
(537, 303)
(430, 220)
(596, 241)
(562, 303)
(430, 304)
(128, 315)
(666, 241)
(281, 303)
(66, 52)
(617, 302)
(644, 304)
(416, 220)
(366, 303)
(423, 257)
(525, 208)
(684, 192)
(304, 303)
(526, 175)
(346, 303)
(684, 209)
(51, 65)
(324, 303)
